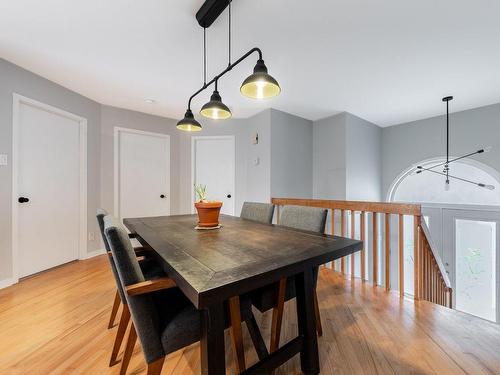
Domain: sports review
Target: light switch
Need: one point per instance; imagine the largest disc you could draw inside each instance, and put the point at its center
(3, 159)
(256, 161)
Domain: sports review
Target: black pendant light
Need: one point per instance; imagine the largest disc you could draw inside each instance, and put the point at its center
(446, 165)
(215, 109)
(188, 123)
(260, 85)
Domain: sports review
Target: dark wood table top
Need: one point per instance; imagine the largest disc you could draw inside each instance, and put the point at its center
(214, 265)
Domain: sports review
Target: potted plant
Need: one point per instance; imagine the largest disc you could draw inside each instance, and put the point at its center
(208, 212)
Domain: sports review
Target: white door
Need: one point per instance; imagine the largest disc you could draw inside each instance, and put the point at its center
(47, 183)
(471, 241)
(142, 173)
(213, 166)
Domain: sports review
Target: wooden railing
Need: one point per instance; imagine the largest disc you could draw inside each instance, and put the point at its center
(426, 276)
(435, 286)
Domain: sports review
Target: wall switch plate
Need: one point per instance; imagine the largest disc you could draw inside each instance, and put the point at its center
(3, 159)
(256, 161)
(91, 236)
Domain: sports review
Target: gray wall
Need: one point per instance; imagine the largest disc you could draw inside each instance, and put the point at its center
(252, 181)
(14, 79)
(329, 157)
(112, 117)
(407, 144)
(363, 159)
(291, 156)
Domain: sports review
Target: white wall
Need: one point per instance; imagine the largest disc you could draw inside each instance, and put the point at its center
(406, 144)
(329, 157)
(291, 156)
(14, 79)
(252, 182)
(112, 117)
(363, 159)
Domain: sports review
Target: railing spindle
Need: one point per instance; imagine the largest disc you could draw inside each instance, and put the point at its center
(353, 232)
(342, 230)
(401, 256)
(416, 272)
(362, 229)
(387, 251)
(375, 248)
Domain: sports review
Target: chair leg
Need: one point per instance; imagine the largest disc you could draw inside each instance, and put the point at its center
(114, 310)
(257, 340)
(129, 349)
(120, 333)
(155, 367)
(319, 327)
(277, 317)
(236, 334)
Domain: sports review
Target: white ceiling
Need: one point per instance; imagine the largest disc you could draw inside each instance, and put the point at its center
(388, 61)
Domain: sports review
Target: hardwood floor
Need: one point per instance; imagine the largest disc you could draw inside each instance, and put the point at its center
(55, 323)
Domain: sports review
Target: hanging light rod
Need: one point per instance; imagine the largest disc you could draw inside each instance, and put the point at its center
(446, 164)
(259, 85)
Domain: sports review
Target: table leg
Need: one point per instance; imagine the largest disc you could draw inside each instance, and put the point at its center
(309, 357)
(212, 341)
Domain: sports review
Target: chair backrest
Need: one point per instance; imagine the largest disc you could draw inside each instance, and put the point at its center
(306, 218)
(100, 220)
(142, 307)
(261, 212)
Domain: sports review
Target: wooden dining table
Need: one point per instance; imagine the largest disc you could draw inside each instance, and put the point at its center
(213, 266)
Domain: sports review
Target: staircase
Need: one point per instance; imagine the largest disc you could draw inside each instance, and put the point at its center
(372, 221)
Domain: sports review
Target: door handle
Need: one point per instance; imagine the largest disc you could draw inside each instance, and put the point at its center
(23, 200)
(162, 196)
(229, 195)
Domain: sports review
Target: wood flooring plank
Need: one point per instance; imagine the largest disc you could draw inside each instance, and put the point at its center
(56, 323)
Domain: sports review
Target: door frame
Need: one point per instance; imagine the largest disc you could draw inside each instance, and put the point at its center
(193, 164)
(116, 164)
(449, 216)
(17, 100)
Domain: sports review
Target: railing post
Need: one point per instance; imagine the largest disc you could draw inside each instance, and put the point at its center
(362, 229)
(342, 230)
(375, 248)
(333, 234)
(387, 251)
(353, 232)
(416, 261)
(401, 257)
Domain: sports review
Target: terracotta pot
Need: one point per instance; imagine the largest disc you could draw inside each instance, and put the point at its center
(208, 213)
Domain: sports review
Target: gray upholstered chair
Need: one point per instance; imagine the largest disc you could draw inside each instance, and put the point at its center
(274, 296)
(162, 317)
(261, 212)
(150, 269)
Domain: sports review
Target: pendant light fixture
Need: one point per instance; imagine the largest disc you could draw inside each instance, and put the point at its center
(446, 164)
(259, 85)
(188, 123)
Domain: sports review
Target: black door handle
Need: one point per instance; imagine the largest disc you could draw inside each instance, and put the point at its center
(162, 196)
(229, 195)
(23, 200)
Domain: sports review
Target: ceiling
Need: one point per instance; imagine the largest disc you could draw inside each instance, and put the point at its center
(387, 61)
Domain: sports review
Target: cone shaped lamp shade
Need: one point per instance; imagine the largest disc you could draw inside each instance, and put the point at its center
(260, 85)
(215, 109)
(188, 123)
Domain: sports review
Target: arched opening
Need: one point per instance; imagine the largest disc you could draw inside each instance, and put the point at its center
(428, 187)
(464, 223)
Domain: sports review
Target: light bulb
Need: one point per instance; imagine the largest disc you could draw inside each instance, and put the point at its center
(447, 185)
(489, 187)
(488, 149)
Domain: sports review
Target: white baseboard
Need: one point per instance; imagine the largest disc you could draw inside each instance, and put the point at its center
(7, 282)
(95, 253)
